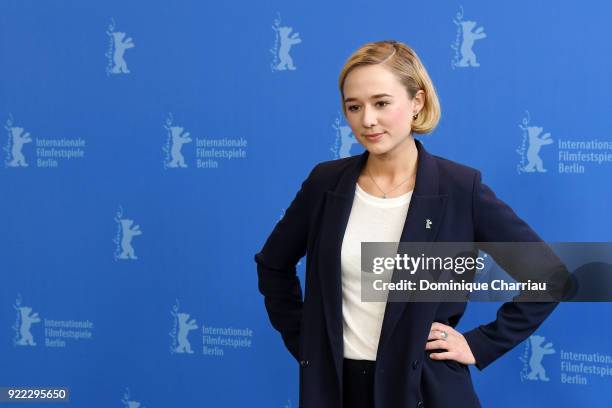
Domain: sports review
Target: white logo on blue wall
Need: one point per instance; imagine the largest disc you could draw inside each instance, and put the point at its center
(344, 141)
(128, 402)
(126, 231)
(57, 333)
(118, 44)
(283, 41)
(180, 331)
(534, 353)
(467, 34)
(215, 341)
(49, 153)
(531, 144)
(209, 153)
(176, 138)
(23, 324)
(572, 156)
(17, 137)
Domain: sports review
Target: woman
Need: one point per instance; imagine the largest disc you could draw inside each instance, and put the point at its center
(393, 354)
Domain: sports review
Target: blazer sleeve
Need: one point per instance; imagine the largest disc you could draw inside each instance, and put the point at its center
(494, 221)
(276, 267)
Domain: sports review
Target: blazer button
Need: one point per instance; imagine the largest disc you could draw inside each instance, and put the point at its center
(415, 364)
(420, 404)
(304, 363)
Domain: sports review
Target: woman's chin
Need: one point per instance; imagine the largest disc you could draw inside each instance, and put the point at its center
(376, 148)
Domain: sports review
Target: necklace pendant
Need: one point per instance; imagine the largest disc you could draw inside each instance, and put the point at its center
(384, 196)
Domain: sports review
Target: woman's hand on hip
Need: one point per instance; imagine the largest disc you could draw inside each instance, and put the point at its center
(453, 342)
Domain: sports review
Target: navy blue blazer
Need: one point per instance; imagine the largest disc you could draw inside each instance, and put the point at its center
(461, 209)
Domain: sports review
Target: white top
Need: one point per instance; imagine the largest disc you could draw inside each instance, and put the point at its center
(372, 219)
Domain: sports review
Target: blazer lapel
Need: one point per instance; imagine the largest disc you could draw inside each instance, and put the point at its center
(337, 209)
(422, 224)
(426, 204)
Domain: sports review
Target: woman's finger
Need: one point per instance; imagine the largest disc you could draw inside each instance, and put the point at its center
(438, 345)
(439, 335)
(447, 355)
(434, 335)
(441, 327)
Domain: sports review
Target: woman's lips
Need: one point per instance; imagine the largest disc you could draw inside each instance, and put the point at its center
(374, 137)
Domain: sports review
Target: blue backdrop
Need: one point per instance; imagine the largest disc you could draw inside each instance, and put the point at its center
(150, 147)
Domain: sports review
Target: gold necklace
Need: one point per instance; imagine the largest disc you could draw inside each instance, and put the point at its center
(381, 190)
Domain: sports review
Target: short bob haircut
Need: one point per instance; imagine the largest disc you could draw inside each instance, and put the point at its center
(402, 61)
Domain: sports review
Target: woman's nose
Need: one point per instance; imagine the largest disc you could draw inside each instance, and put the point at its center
(369, 117)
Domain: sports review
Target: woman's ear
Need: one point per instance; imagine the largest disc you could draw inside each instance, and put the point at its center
(418, 102)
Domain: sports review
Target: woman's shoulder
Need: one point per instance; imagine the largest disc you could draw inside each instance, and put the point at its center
(327, 172)
(451, 166)
(455, 175)
(325, 175)
(337, 166)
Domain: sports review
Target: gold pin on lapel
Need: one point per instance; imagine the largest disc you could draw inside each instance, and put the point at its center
(428, 223)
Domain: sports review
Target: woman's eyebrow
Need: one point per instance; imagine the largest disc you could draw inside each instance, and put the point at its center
(382, 95)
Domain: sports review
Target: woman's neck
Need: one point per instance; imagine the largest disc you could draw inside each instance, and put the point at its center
(395, 166)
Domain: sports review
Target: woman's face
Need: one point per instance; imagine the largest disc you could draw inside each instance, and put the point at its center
(378, 108)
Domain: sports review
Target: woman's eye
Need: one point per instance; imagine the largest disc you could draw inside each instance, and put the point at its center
(355, 108)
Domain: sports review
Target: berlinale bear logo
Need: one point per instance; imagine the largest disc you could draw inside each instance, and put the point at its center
(176, 138)
(530, 147)
(467, 34)
(284, 40)
(345, 139)
(117, 47)
(126, 231)
(25, 320)
(14, 147)
(180, 331)
(536, 350)
(128, 402)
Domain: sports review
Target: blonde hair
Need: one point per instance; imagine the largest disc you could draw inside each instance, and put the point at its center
(407, 67)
